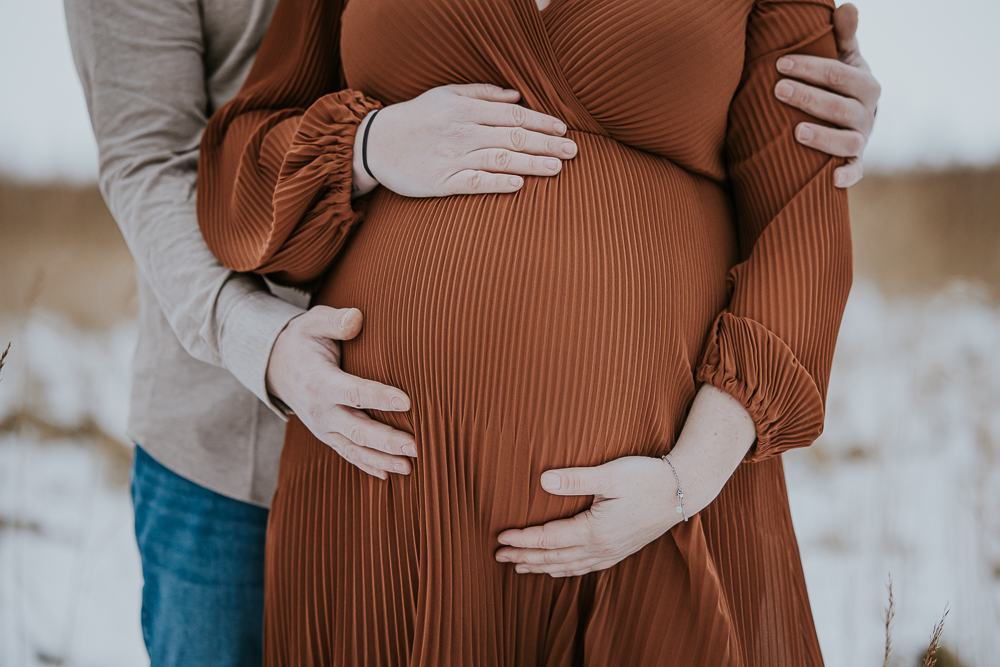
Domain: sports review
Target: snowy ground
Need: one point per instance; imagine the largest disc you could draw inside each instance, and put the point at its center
(905, 481)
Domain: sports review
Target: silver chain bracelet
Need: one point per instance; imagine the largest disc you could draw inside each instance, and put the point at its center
(680, 494)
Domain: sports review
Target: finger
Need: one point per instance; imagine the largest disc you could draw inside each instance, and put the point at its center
(563, 569)
(593, 481)
(574, 573)
(364, 457)
(520, 140)
(844, 79)
(368, 395)
(474, 181)
(845, 28)
(849, 174)
(559, 534)
(362, 430)
(842, 143)
(334, 323)
(485, 91)
(513, 115)
(543, 556)
(842, 111)
(509, 162)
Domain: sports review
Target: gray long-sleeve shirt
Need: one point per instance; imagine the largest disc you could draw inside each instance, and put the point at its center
(153, 71)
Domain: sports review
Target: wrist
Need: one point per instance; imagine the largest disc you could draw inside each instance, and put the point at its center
(363, 182)
(273, 376)
(715, 438)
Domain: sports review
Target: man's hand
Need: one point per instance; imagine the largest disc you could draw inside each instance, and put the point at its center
(304, 373)
(848, 101)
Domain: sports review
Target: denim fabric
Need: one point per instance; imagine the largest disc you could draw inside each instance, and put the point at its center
(203, 565)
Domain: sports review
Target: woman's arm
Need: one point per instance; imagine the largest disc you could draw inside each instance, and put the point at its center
(635, 497)
(277, 164)
(767, 357)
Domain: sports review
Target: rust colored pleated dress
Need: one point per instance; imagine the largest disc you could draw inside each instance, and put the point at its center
(691, 240)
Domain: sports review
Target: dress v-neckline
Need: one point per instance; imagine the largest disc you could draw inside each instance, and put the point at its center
(546, 56)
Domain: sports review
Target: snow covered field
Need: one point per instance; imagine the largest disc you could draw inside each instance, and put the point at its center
(905, 481)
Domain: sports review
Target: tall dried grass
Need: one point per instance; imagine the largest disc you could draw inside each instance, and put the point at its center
(890, 613)
(930, 656)
(934, 650)
(4, 356)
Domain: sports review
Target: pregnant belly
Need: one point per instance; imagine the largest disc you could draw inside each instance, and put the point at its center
(555, 327)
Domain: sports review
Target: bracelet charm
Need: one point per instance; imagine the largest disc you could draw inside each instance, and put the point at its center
(680, 493)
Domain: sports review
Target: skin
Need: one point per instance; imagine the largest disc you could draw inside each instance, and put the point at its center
(475, 139)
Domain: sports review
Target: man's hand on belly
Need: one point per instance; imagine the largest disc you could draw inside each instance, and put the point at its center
(304, 373)
(635, 497)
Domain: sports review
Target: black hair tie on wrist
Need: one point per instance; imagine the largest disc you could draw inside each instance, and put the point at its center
(364, 144)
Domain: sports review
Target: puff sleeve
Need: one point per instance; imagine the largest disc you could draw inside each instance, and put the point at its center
(275, 169)
(772, 347)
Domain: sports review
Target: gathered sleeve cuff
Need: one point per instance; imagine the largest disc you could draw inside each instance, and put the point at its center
(756, 367)
(289, 210)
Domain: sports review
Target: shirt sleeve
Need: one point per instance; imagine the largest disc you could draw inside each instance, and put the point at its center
(276, 170)
(772, 347)
(141, 66)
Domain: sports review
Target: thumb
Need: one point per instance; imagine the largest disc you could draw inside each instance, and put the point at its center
(845, 28)
(334, 323)
(486, 91)
(594, 481)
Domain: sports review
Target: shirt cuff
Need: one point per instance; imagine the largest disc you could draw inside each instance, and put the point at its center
(251, 326)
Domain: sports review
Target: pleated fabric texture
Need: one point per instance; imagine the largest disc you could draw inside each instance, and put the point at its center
(691, 240)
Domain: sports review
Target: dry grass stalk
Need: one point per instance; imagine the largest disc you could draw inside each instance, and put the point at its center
(930, 656)
(4, 356)
(890, 613)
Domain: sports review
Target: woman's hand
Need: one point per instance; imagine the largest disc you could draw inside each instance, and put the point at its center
(848, 101)
(635, 497)
(634, 501)
(459, 139)
(304, 373)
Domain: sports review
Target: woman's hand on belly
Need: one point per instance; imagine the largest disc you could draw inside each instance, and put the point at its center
(459, 139)
(304, 373)
(635, 497)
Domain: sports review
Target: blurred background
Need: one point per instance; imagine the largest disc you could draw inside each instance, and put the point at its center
(905, 482)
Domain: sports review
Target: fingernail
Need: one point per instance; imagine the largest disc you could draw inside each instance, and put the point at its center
(515, 181)
(840, 180)
(783, 90)
(569, 148)
(560, 128)
(551, 481)
(805, 133)
(786, 65)
(399, 467)
(398, 404)
(521, 569)
(410, 450)
(502, 559)
(345, 317)
(552, 164)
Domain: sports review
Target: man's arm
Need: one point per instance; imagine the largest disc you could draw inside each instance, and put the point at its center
(141, 65)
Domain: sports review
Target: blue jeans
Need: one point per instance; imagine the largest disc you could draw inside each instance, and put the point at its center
(203, 569)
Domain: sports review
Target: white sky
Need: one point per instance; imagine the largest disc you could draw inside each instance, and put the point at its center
(938, 62)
